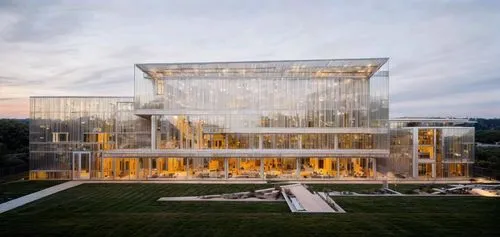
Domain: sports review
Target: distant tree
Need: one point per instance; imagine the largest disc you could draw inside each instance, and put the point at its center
(488, 136)
(488, 158)
(14, 142)
(487, 124)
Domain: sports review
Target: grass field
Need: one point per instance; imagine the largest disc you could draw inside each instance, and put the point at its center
(366, 188)
(132, 210)
(9, 191)
(14, 177)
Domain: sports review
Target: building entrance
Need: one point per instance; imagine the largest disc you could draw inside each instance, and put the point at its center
(81, 161)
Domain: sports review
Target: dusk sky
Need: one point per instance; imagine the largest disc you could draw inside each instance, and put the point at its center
(444, 55)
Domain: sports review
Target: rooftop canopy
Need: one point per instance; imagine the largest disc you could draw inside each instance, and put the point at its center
(431, 119)
(420, 121)
(327, 68)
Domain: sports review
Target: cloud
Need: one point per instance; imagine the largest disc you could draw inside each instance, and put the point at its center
(439, 50)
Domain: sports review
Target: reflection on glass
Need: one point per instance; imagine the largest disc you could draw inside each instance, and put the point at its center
(276, 168)
(244, 167)
(203, 168)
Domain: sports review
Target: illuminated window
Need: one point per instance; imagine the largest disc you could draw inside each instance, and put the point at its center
(59, 137)
(160, 87)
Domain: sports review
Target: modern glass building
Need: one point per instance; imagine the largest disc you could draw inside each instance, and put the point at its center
(292, 120)
(431, 148)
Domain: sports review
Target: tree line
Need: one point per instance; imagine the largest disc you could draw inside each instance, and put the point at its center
(14, 146)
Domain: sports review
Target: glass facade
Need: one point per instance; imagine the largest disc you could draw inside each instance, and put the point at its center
(292, 120)
(66, 128)
(430, 148)
(260, 109)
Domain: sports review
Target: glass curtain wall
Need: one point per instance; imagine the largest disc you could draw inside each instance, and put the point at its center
(268, 95)
(266, 105)
(401, 156)
(61, 126)
(279, 105)
(457, 151)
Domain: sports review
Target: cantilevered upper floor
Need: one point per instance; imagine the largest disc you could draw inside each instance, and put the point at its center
(268, 94)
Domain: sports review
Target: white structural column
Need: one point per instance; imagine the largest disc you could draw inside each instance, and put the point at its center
(73, 166)
(336, 142)
(102, 168)
(415, 153)
(137, 168)
(188, 172)
(338, 167)
(433, 170)
(226, 168)
(434, 156)
(113, 167)
(150, 167)
(297, 171)
(262, 168)
(153, 132)
(260, 141)
(153, 143)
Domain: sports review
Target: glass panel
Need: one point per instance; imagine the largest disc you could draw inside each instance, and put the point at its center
(204, 168)
(244, 168)
(425, 170)
(61, 125)
(356, 167)
(83, 162)
(108, 172)
(280, 168)
(318, 168)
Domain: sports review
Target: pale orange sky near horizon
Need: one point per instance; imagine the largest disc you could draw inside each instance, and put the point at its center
(18, 108)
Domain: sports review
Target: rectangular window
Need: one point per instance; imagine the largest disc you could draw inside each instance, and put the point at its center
(59, 137)
(90, 137)
(160, 87)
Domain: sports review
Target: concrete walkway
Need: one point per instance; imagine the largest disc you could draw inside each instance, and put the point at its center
(7, 206)
(308, 201)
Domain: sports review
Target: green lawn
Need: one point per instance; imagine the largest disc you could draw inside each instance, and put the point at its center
(12, 190)
(14, 177)
(366, 188)
(345, 187)
(132, 210)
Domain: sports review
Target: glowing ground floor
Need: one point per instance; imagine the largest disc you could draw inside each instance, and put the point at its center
(173, 168)
(211, 168)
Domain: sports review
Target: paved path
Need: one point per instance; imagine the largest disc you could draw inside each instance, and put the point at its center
(310, 202)
(7, 206)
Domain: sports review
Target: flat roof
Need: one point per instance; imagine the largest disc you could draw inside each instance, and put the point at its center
(362, 67)
(428, 119)
(83, 97)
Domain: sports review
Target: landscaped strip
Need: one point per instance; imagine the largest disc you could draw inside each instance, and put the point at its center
(21, 201)
(13, 190)
(132, 210)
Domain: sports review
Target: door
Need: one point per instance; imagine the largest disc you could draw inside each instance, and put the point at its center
(81, 164)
